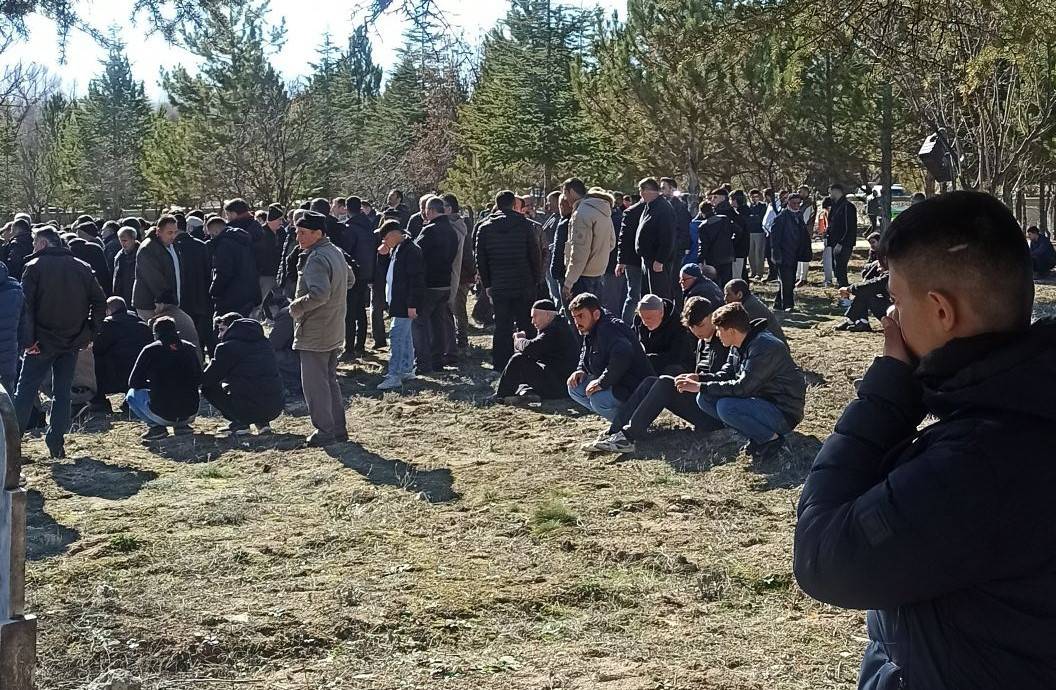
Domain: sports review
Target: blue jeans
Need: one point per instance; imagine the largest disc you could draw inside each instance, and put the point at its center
(592, 285)
(138, 400)
(634, 291)
(401, 347)
(34, 369)
(603, 402)
(756, 418)
(553, 287)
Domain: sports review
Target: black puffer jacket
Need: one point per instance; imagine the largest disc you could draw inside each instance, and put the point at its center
(245, 361)
(92, 254)
(655, 240)
(258, 241)
(117, 345)
(670, 347)
(789, 240)
(65, 306)
(716, 240)
(125, 274)
(944, 533)
(171, 373)
(439, 244)
(626, 253)
(234, 287)
(361, 245)
(195, 274)
(16, 253)
(507, 254)
(761, 367)
(612, 354)
(683, 237)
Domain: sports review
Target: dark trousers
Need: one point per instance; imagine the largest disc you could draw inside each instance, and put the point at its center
(428, 331)
(233, 409)
(786, 293)
(653, 396)
(547, 382)
(203, 323)
(659, 282)
(483, 311)
(35, 368)
(725, 274)
(592, 285)
(462, 315)
(356, 317)
(510, 309)
(378, 333)
(839, 265)
(866, 302)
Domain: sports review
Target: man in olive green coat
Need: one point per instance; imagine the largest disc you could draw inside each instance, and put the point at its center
(318, 311)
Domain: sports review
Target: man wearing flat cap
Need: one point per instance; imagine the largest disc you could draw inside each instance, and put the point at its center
(318, 311)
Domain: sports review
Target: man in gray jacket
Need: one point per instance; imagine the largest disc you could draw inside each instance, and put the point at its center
(318, 311)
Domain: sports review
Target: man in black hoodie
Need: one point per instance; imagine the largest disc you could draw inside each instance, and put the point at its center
(540, 366)
(438, 243)
(234, 286)
(944, 532)
(242, 380)
(655, 239)
(508, 264)
(628, 263)
(115, 349)
(195, 275)
(715, 237)
(16, 252)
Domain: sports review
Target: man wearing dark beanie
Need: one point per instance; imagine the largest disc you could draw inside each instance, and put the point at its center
(268, 253)
(540, 366)
(318, 311)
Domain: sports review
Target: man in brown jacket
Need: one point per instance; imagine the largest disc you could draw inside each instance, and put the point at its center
(318, 311)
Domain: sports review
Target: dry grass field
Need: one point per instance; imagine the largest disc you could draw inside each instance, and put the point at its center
(443, 546)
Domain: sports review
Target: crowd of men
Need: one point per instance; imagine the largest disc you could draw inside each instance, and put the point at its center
(627, 305)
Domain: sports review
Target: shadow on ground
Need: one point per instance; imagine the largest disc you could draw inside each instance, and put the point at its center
(204, 448)
(790, 469)
(91, 477)
(434, 486)
(810, 311)
(45, 537)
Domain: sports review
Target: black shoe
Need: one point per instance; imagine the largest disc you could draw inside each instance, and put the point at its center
(860, 327)
(57, 453)
(523, 400)
(155, 433)
(491, 400)
(765, 452)
(233, 429)
(101, 408)
(182, 430)
(318, 439)
(845, 326)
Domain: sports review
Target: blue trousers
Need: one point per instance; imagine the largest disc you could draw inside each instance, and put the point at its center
(603, 402)
(756, 418)
(634, 291)
(138, 400)
(401, 347)
(35, 368)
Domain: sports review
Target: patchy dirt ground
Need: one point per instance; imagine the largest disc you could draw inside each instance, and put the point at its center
(444, 546)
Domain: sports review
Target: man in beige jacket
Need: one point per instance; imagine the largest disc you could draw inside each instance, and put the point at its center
(591, 239)
(318, 311)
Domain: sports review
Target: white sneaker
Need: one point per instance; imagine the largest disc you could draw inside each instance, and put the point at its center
(590, 446)
(617, 443)
(391, 383)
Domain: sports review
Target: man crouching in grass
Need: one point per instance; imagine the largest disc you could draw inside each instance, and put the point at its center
(946, 533)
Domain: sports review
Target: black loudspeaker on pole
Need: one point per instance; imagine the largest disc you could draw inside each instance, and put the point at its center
(937, 156)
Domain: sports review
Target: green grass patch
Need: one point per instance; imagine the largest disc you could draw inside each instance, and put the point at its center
(552, 515)
(124, 543)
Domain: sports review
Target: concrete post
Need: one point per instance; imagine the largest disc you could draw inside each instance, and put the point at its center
(18, 632)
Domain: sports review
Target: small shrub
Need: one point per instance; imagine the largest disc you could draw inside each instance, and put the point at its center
(124, 543)
(551, 516)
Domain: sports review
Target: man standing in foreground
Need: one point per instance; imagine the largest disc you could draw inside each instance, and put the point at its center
(318, 311)
(944, 533)
(64, 309)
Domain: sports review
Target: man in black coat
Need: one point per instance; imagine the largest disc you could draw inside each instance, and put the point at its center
(17, 250)
(943, 532)
(540, 366)
(115, 349)
(242, 380)
(789, 244)
(508, 264)
(683, 238)
(396, 209)
(715, 241)
(125, 265)
(402, 264)
(234, 285)
(667, 344)
(842, 233)
(753, 218)
(628, 263)
(695, 284)
(655, 239)
(64, 309)
(92, 254)
(195, 277)
(362, 245)
(438, 242)
(335, 230)
(675, 393)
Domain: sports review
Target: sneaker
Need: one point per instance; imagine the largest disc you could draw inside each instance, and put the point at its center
(617, 443)
(182, 430)
(749, 448)
(860, 327)
(589, 446)
(155, 433)
(391, 383)
(263, 430)
(235, 429)
(845, 326)
(317, 439)
(523, 399)
(409, 376)
(765, 452)
(490, 401)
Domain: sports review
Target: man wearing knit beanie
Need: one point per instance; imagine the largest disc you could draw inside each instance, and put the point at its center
(318, 310)
(540, 366)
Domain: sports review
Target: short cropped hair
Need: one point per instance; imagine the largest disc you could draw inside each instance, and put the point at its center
(669, 181)
(739, 286)
(237, 206)
(398, 193)
(166, 220)
(320, 205)
(649, 183)
(732, 316)
(129, 232)
(504, 200)
(720, 191)
(969, 244)
(436, 204)
(49, 235)
(354, 204)
(696, 310)
(576, 185)
(452, 201)
(584, 300)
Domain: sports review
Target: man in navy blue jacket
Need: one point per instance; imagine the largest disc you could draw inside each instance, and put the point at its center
(945, 532)
(404, 272)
